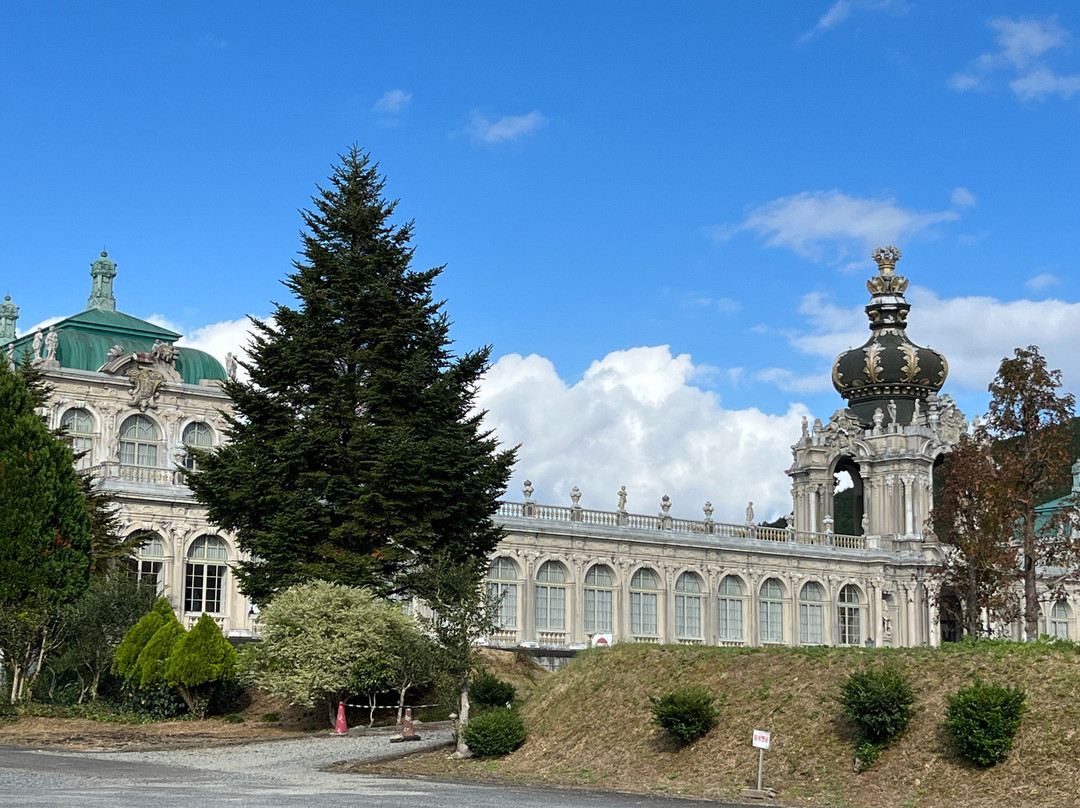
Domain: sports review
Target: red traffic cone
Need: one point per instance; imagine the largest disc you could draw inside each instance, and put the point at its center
(340, 728)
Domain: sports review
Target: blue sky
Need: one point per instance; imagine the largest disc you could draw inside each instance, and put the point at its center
(659, 214)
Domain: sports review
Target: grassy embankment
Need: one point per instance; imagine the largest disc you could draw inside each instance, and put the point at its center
(589, 726)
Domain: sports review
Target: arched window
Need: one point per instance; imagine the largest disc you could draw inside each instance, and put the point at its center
(79, 425)
(502, 586)
(204, 575)
(812, 614)
(729, 618)
(643, 603)
(139, 442)
(551, 597)
(848, 615)
(148, 561)
(688, 607)
(599, 600)
(1059, 620)
(196, 434)
(771, 611)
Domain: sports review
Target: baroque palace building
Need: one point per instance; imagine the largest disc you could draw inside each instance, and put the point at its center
(567, 576)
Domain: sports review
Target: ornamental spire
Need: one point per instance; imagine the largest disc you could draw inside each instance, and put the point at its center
(9, 313)
(101, 296)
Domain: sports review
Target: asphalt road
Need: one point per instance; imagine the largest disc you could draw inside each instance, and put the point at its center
(284, 773)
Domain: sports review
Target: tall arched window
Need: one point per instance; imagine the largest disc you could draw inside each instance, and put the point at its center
(812, 614)
(148, 561)
(502, 586)
(848, 616)
(729, 617)
(196, 434)
(643, 603)
(551, 597)
(1059, 620)
(204, 575)
(139, 441)
(79, 425)
(688, 607)
(771, 611)
(599, 600)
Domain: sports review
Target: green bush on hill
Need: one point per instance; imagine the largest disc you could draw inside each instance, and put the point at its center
(687, 713)
(495, 733)
(488, 690)
(880, 702)
(983, 719)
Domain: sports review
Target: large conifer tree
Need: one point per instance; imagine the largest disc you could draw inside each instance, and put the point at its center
(354, 452)
(45, 530)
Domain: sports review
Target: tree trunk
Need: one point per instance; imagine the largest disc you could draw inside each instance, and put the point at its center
(463, 750)
(401, 703)
(1031, 591)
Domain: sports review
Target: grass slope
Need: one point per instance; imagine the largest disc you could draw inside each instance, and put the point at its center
(589, 726)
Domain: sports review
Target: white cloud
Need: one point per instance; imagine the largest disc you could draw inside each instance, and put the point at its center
(636, 419)
(962, 197)
(509, 127)
(841, 10)
(830, 224)
(791, 382)
(218, 339)
(1043, 280)
(392, 101)
(1022, 46)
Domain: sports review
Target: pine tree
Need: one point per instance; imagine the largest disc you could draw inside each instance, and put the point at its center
(45, 535)
(354, 452)
(200, 659)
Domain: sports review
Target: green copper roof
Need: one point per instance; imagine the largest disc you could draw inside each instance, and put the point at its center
(84, 340)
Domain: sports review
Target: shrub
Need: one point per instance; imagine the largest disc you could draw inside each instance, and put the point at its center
(687, 713)
(983, 720)
(271, 718)
(233, 718)
(494, 733)
(487, 690)
(880, 702)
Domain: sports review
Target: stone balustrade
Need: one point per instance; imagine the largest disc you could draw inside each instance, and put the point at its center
(694, 527)
(112, 470)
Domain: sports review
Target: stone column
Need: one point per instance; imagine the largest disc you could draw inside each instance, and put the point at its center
(933, 628)
(909, 505)
(912, 630)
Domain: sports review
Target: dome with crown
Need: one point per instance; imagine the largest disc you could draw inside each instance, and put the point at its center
(888, 369)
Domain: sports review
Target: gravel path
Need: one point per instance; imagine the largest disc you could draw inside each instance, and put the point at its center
(290, 762)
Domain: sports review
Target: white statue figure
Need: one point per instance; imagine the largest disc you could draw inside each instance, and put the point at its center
(892, 411)
(749, 513)
(865, 524)
(916, 413)
(805, 428)
(575, 496)
(708, 508)
(115, 352)
(37, 344)
(622, 498)
(665, 504)
(230, 366)
(886, 628)
(11, 355)
(51, 339)
(527, 490)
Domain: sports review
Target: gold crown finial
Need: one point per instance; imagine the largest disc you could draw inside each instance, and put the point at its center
(886, 258)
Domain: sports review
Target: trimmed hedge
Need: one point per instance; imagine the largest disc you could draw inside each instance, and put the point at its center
(880, 702)
(487, 690)
(687, 713)
(983, 719)
(495, 733)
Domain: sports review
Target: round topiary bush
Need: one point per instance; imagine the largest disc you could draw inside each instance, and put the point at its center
(487, 690)
(983, 720)
(880, 702)
(494, 733)
(687, 713)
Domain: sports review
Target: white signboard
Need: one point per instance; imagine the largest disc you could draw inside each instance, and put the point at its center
(761, 739)
(601, 640)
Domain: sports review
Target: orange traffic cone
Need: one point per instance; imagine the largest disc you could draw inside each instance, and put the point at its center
(340, 728)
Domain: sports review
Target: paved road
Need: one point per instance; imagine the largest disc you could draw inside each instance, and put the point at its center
(280, 773)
